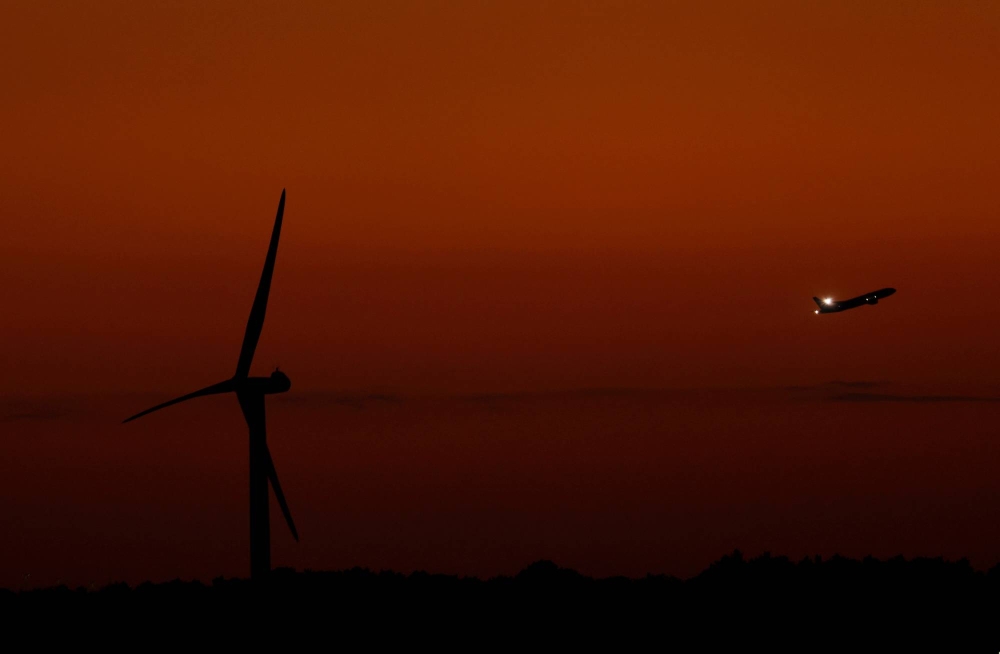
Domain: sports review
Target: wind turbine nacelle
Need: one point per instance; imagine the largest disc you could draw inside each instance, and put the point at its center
(279, 382)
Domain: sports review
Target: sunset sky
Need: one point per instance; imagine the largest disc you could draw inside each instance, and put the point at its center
(544, 285)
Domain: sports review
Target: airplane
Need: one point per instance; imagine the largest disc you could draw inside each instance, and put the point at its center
(829, 305)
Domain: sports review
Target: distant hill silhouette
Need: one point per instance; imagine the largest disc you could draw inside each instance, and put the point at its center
(810, 604)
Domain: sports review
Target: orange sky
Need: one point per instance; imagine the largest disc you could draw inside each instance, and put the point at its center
(499, 196)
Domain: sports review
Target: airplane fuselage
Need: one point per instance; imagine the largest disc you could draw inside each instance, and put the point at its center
(829, 305)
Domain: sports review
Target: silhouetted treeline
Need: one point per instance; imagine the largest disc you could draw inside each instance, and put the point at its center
(810, 604)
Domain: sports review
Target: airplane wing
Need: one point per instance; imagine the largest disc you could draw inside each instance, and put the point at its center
(221, 387)
(256, 322)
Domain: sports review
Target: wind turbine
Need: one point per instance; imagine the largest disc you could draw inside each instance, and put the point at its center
(250, 392)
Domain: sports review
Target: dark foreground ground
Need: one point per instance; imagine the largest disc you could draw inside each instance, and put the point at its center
(766, 601)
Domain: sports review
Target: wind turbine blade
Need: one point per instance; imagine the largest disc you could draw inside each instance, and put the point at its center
(252, 405)
(256, 322)
(221, 387)
(272, 474)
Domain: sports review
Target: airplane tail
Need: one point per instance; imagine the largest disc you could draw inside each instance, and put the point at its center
(818, 302)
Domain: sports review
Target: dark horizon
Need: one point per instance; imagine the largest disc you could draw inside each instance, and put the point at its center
(607, 482)
(735, 600)
(908, 570)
